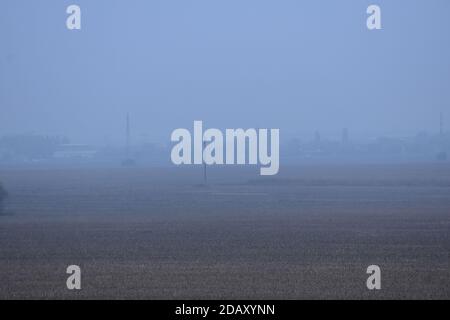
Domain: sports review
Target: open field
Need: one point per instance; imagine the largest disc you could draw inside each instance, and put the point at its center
(310, 232)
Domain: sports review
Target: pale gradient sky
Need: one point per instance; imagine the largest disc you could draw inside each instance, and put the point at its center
(296, 65)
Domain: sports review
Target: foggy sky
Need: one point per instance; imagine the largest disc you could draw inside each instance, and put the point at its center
(300, 66)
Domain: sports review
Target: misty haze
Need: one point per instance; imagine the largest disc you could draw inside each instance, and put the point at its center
(86, 175)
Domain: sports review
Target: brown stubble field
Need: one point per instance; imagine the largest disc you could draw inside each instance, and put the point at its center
(309, 233)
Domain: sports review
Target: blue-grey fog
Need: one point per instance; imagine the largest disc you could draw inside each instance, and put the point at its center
(224, 149)
(301, 66)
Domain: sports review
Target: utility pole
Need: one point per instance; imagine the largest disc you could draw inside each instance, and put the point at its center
(205, 180)
(127, 162)
(128, 136)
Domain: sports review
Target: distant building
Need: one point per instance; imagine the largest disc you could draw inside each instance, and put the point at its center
(73, 151)
(317, 137)
(344, 136)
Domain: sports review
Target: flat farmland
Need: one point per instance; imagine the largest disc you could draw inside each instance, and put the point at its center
(147, 233)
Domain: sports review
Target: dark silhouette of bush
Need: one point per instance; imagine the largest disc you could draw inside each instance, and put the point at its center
(3, 195)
